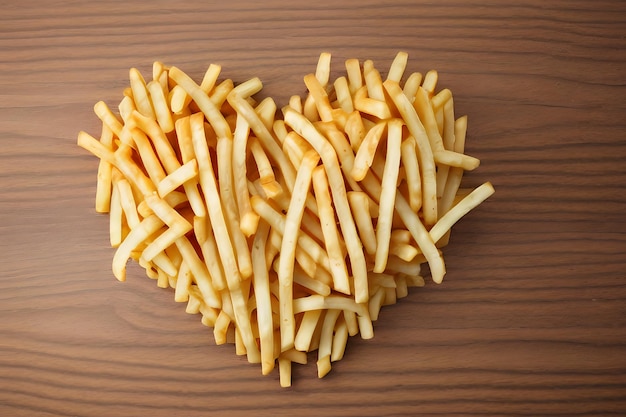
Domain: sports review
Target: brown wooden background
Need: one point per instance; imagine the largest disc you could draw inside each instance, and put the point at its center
(531, 318)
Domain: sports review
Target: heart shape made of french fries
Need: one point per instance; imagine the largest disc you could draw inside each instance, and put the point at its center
(286, 234)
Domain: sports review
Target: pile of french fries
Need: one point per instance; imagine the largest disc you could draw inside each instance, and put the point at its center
(286, 234)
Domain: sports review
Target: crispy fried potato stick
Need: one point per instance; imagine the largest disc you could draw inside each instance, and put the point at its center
(396, 70)
(248, 218)
(140, 93)
(161, 107)
(324, 349)
(463, 207)
(115, 219)
(332, 239)
(288, 247)
(225, 249)
(127, 201)
(320, 97)
(367, 150)
(267, 178)
(199, 272)
(359, 204)
(134, 239)
(277, 221)
(177, 178)
(263, 298)
(373, 81)
(177, 226)
(408, 154)
(180, 99)
(355, 77)
(225, 180)
(270, 144)
(338, 190)
(210, 110)
(411, 85)
(388, 194)
(104, 182)
(183, 133)
(108, 118)
(344, 97)
(425, 153)
(208, 247)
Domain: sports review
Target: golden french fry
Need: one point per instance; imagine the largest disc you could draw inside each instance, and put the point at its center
(288, 247)
(388, 194)
(408, 154)
(140, 93)
(338, 190)
(161, 108)
(367, 150)
(108, 118)
(398, 66)
(425, 153)
(332, 239)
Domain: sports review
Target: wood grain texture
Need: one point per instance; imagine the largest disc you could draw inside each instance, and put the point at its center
(531, 318)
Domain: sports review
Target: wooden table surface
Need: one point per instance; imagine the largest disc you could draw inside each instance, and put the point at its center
(531, 317)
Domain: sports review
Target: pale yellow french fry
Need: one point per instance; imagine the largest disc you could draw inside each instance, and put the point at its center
(185, 146)
(430, 82)
(210, 110)
(359, 204)
(425, 152)
(183, 282)
(266, 110)
(226, 251)
(408, 153)
(248, 219)
(178, 177)
(398, 66)
(340, 339)
(180, 99)
(355, 130)
(288, 247)
(368, 105)
(277, 221)
(308, 324)
(108, 118)
(332, 239)
(338, 190)
(135, 238)
(140, 93)
(355, 76)
(127, 201)
(229, 205)
(411, 85)
(161, 108)
(463, 207)
(269, 142)
(344, 97)
(367, 150)
(104, 182)
(115, 219)
(267, 178)
(373, 81)
(93, 145)
(320, 97)
(325, 345)
(388, 194)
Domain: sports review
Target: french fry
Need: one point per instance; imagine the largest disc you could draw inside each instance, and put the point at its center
(388, 194)
(288, 248)
(336, 257)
